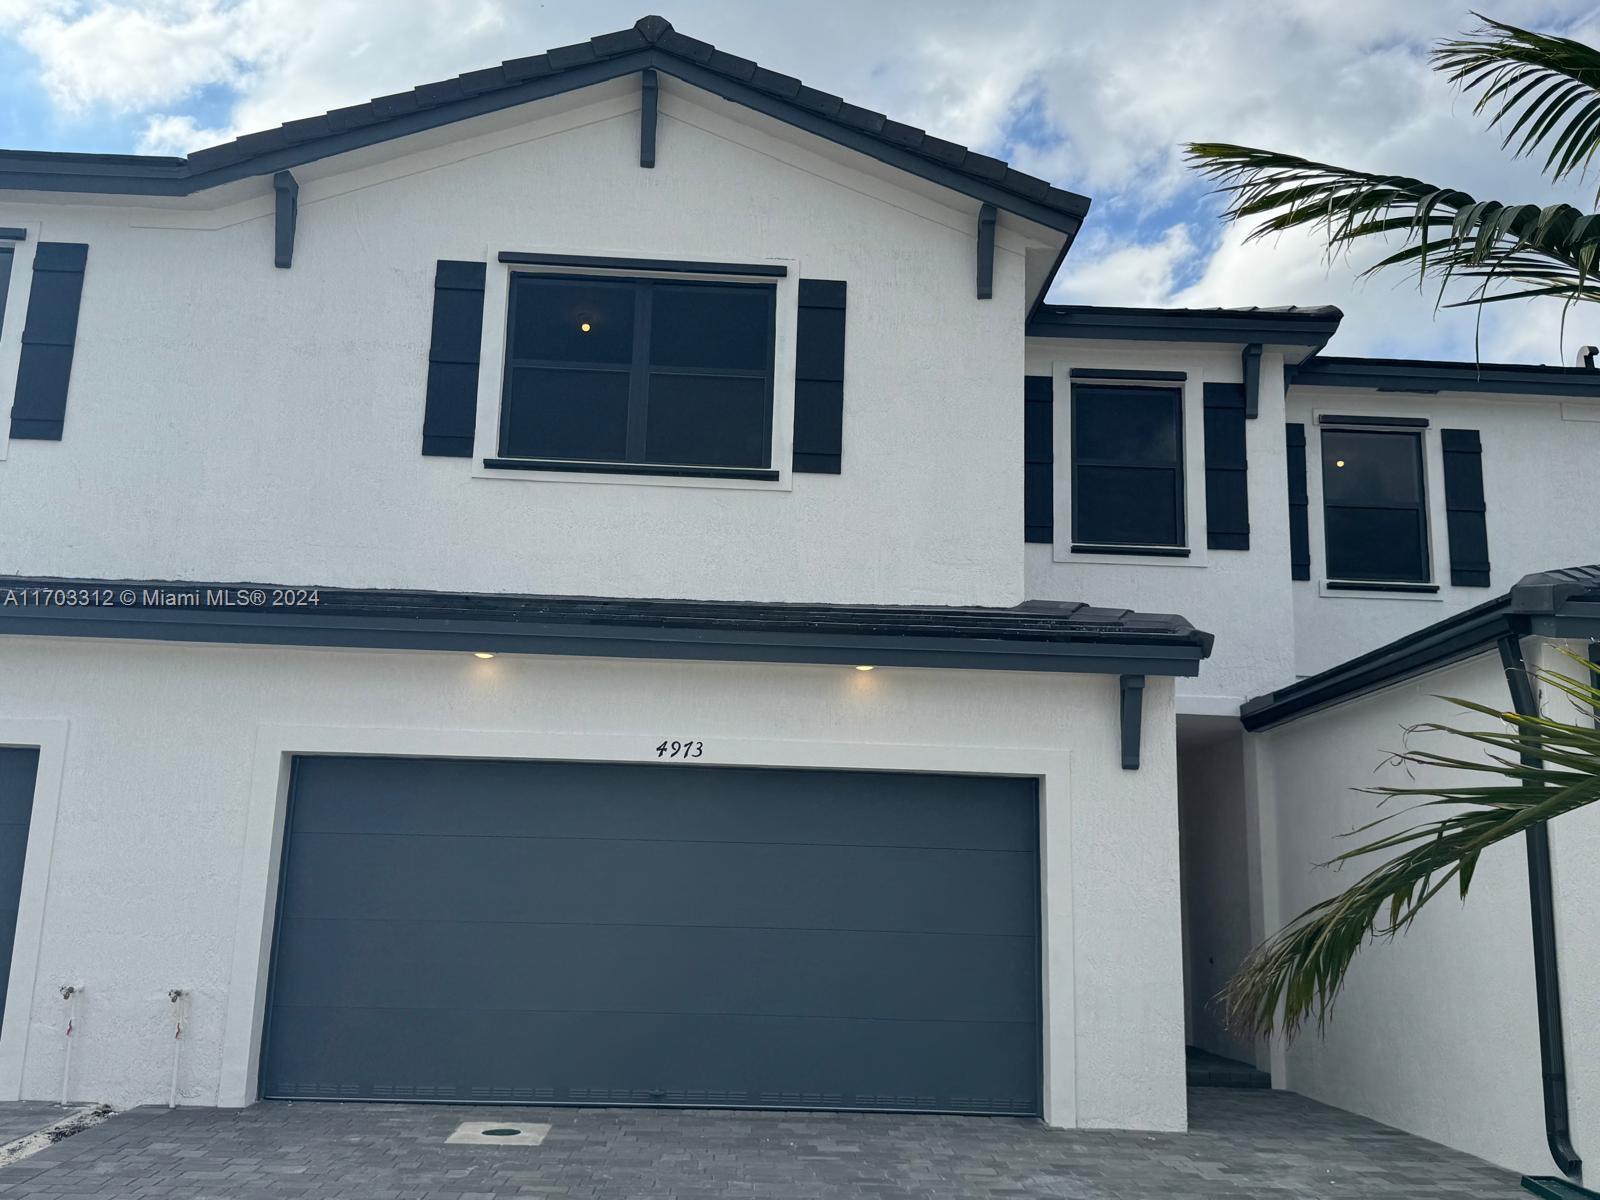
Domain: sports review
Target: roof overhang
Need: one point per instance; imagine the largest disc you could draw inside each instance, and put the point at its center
(1306, 330)
(1563, 603)
(651, 44)
(1428, 377)
(1031, 637)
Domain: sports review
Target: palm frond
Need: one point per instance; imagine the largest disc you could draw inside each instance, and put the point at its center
(1531, 769)
(1446, 233)
(1540, 89)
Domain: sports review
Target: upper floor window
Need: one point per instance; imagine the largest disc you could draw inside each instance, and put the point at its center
(610, 370)
(1127, 468)
(1374, 505)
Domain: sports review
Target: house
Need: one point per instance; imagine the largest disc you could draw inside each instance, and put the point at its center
(604, 581)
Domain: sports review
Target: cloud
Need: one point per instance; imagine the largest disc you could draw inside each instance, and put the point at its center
(166, 133)
(1107, 271)
(1098, 98)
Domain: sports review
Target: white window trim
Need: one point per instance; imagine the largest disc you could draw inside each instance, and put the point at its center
(11, 329)
(1194, 476)
(491, 371)
(1432, 491)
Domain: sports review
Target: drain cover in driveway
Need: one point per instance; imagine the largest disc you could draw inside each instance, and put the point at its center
(497, 1133)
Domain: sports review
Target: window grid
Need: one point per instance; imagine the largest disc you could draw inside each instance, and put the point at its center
(1085, 539)
(639, 370)
(1350, 560)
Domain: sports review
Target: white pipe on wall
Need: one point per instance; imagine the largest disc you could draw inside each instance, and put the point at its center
(69, 993)
(178, 999)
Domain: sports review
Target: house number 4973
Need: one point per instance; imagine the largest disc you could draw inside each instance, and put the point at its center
(680, 749)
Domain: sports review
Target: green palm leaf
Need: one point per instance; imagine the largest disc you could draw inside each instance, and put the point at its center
(1536, 769)
(1539, 88)
(1542, 91)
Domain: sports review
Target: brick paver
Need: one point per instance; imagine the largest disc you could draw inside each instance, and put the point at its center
(1242, 1144)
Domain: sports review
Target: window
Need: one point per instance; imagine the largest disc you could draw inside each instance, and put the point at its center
(1127, 468)
(658, 374)
(1374, 505)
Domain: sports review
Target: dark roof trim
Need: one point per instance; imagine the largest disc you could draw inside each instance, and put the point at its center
(1420, 375)
(1561, 603)
(1270, 326)
(1031, 637)
(651, 44)
(592, 262)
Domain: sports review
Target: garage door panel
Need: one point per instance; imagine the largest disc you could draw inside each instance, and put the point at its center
(625, 933)
(650, 968)
(654, 1058)
(664, 801)
(528, 878)
(18, 768)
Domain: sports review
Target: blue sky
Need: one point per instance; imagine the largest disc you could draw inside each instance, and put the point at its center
(1098, 98)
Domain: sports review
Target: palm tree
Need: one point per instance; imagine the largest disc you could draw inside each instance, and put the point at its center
(1541, 91)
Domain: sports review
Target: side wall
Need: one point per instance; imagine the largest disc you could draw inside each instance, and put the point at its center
(1241, 596)
(164, 773)
(278, 413)
(1535, 449)
(1436, 1032)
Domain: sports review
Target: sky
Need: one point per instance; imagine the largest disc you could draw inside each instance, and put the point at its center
(1097, 97)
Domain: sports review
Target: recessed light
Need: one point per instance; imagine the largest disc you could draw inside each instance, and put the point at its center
(1338, 462)
(482, 654)
(584, 327)
(864, 667)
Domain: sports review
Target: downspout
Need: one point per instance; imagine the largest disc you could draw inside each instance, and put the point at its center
(1546, 977)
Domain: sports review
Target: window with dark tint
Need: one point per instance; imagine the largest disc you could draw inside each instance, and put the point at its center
(1374, 505)
(5, 282)
(647, 371)
(1127, 466)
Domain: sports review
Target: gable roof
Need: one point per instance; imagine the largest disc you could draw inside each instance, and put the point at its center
(651, 43)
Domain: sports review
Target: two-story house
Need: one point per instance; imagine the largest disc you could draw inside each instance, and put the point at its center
(602, 581)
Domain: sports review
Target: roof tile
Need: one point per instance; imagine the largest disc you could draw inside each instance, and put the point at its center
(825, 103)
(623, 41)
(732, 65)
(577, 55)
(691, 48)
(531, 67)
(776, 83)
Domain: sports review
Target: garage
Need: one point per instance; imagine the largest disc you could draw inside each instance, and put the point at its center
(656, 934)
(18, 766)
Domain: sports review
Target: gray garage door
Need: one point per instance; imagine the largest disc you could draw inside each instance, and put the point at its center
(17, 769)
(573, 933)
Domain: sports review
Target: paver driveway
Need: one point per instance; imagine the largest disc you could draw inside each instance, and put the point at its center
(1242, 1143)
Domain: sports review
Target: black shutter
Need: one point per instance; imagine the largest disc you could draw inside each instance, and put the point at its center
(1038, 459)
(1464, 507)
(450, 421)
(1227, 479)
(48, 335)
(819, 377)
(1299, 503)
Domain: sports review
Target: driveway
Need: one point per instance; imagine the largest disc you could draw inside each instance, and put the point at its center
(1243, 1144)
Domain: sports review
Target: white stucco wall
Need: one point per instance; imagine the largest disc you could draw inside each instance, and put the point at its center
(231, 421)
(1537, 452)
(1241, 596)
(152, 859)
(1435, 1033)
